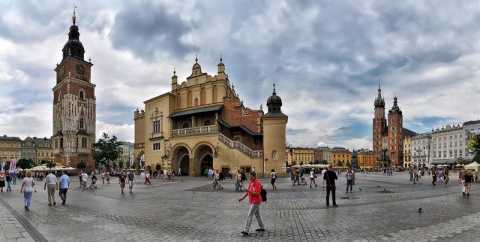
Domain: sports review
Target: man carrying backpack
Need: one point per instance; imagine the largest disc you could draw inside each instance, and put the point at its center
(254, 198)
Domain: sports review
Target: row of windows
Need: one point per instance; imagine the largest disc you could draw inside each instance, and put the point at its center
(5, 153)
(450, 154)
(11, 145)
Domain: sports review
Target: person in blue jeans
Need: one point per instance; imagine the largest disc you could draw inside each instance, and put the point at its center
(27, 189)
(64, 184)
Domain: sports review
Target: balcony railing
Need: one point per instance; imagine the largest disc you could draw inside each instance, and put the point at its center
(212, 129)
(241, 147)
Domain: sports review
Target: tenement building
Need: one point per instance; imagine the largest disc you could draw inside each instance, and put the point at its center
(421, 150)
(388, 134)
(202, 123)
(447, 145)
(10, 148)
(74, 105)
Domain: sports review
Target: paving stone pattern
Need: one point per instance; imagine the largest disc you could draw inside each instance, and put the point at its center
(380, 208)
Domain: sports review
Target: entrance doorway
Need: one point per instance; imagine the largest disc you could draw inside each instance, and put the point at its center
(184, 165)
(207, 162)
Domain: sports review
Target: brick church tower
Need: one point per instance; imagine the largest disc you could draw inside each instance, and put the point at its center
(74, 107)
(388, 133)
(379, 125)
(395, 134)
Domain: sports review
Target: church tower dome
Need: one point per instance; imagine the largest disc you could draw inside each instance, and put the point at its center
(73, 47)
(274, 102)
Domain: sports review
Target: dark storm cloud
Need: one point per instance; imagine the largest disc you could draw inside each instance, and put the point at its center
(147, 29)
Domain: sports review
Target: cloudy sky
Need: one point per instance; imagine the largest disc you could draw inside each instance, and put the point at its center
(325, 57)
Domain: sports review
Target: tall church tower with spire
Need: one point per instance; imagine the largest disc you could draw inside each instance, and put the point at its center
(379, 124)
(74, 105)
(388, 134)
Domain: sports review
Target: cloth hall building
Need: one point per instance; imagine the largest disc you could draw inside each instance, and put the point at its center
(202, 123)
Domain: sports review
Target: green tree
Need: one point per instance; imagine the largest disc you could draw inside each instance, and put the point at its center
(81, 165)
(325, 162)
(339, 163)
(107, 150)
(474, 146)
(25, 164)
(317, 162)
(311, 162)
(348, 163)
(120, 164)
(128, 164)
(50, 164)
(294, 163)
(301, 162)
(476, 158)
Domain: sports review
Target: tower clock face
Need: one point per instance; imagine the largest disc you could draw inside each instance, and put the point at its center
(80, 69)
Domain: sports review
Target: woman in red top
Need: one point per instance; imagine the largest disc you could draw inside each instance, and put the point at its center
(254, 198)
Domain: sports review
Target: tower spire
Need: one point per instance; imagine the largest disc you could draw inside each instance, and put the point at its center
(74, 18)
(274, 93)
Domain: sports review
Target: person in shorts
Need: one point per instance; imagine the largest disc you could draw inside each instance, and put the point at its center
(121, 180)
(131, 180)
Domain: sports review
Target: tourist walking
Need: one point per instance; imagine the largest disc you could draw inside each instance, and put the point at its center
(2, 181)
(64, 185)
(8, 178)
(80, 177)
(27, 189)
(329, 177)
(350, 178)
(52, 185)
(121, 181)
(218, 182)
(103, 177)
(323, 174)
(273, 178)
(239, 182)
(468, 182)
(147, 178)
(131, 180)
(254, 198)
(84, 180)
(434, 177)
(312, 178)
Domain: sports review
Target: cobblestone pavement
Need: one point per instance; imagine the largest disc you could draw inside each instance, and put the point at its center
(380, 208)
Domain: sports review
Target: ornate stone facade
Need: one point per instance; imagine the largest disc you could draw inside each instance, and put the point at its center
(202, 123)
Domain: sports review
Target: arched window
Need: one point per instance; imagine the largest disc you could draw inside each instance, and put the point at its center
(189, 99)
(81, 95)
(215, 94)
(195, 102)
(274, 155)
(203, 96)
(81, 123)
(179, 102)
(186, 125)
(207, 123)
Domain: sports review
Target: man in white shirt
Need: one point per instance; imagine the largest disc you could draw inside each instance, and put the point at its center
(51, 182)
(84, 180)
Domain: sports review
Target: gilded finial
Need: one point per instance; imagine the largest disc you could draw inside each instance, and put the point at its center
(74, 17)
(196, 58)
(174, 71)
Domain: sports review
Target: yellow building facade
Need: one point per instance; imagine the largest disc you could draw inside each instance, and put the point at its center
(10, 148)
(342, 155)
(366, 159)
(202, 123)
(301, 155)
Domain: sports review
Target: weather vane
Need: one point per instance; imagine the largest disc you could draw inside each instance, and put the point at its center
(74, 17)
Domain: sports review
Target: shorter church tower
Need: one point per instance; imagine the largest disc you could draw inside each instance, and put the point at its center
(395, 134)
(274, 136)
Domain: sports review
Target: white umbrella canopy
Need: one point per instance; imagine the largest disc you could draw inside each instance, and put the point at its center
(474, 166)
